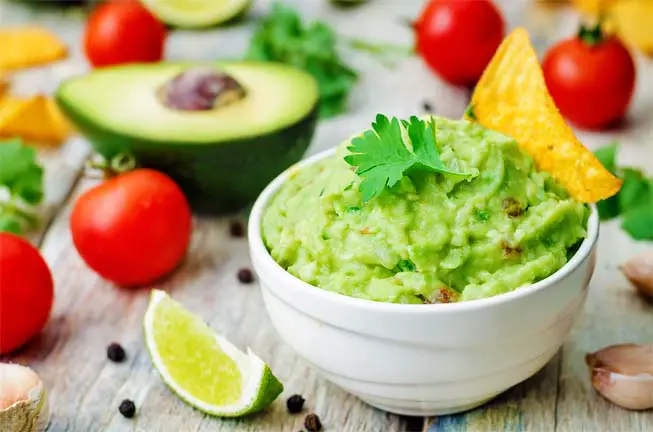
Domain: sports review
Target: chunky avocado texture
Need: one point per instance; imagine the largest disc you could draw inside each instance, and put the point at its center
(222, 157)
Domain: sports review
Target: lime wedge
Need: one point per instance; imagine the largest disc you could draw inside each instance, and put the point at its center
(195, 13)
(203, 368)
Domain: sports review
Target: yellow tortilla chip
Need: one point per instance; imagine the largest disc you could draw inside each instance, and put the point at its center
(9, 107)
(4, 84)
(512, 98)
(36, 120)
(593, 7)
(28, 46)
(633, 22)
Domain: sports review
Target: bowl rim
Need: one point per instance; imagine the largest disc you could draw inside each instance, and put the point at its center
(260, 252)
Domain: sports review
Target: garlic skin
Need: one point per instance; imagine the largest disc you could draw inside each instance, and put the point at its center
(23, 402)
(639, 271)
(623, 374)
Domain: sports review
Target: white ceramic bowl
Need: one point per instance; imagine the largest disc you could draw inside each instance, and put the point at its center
(422, 360)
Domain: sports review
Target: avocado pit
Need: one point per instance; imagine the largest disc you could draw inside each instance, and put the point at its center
(201, 89)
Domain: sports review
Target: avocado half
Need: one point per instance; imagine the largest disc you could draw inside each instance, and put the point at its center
(222, 158)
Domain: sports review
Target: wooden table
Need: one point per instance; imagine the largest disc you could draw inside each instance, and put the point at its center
(85, 389)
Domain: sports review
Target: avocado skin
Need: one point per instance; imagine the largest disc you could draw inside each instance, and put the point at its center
(217, 178)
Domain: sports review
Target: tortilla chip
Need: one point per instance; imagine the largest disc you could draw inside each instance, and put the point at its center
(592, 7)
(36, 120)
(9, 107)
(512, 98)
(633, 21)
(28, 46)
(4, 84)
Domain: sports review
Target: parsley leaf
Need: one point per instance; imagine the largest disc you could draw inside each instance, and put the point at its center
(281, 36)
(21, 178)
(382, 157)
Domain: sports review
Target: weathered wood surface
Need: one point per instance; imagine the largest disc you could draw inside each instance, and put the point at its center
(85, 389)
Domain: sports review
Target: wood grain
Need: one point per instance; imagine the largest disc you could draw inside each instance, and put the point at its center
(86, 389)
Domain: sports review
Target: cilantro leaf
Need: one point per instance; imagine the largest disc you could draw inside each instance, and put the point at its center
(608, 208)
(607, 155)
(636, 189)
(469, 112)
(21, 177)
(281, 36)
(639, 222)
(635, 199)
(382, 157)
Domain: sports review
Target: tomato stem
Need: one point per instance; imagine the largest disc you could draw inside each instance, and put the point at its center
(117, 165)
(591, 35)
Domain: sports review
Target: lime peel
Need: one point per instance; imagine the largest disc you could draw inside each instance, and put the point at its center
(258, 386)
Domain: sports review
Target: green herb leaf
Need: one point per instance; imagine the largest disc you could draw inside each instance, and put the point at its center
(469, 112)
(607, 155)
(382, 157)
(281, 36)
(636, 190)
(639, 222)
(384, 53)
(635, 199)
(22, 179)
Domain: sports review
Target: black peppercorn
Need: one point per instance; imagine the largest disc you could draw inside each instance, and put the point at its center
(115, 353)
(426, 106)
(236, 229)
(312, 423)
(127, 408)
(295, 404)
(245, 275)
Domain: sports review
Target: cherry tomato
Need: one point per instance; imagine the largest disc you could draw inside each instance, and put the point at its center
(591, 78)
(457, 38)
(26, 292)
(123, 32)
(132, 229)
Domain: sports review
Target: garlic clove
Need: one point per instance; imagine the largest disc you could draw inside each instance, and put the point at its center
(623, 374)
(23, 402)
(639, 271)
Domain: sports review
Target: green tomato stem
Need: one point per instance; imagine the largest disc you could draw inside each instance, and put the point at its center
(591, 35)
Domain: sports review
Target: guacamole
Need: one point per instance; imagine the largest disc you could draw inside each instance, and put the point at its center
(431, 238)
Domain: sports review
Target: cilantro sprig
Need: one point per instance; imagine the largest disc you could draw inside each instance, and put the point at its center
(21, 184)
(392, 149)
(635, 199)
(281, 36)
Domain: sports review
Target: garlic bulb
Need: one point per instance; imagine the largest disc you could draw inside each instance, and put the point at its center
(639, 271)
(23, 403)
(623, 374)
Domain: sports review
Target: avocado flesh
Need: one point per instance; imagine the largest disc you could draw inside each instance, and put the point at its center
(221, 158)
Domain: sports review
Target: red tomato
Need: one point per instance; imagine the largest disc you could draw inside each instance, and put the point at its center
(26, 292)
(457, 38)
(591, 82)
(132, 229)
(123, 32)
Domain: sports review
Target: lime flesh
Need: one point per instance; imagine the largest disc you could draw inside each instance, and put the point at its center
(201, 367)
(195, 13)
